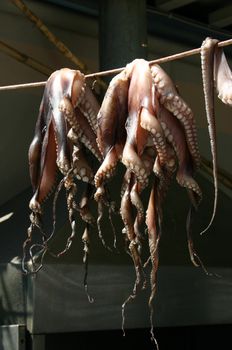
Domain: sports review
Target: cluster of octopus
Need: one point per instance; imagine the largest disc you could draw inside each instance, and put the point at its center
(142, 123)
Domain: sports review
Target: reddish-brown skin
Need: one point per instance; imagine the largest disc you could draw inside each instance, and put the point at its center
(65, 122)
(140, 106)
(222, 76)
(171, 99)
(153, 226)
(82, 131)
(111, 133)
(207, 62)
(175, 135)
(50, 140)
(128, 220)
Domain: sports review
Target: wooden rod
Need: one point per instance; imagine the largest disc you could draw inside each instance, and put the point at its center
(118, 70)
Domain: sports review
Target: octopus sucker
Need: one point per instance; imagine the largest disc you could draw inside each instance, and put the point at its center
(81, 168)
(207, 62)
(83, 206)
(108, 166)
(134, 163)
(82, 131)
(170, 99)
(90, 106)
(185, 168)
(151, 124)
(126, 214)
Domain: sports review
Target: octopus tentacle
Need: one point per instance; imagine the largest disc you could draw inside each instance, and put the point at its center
(80, 128)
(196, 260)
(48, 167)
(170, 98)
(81, 168)
(88, 136)
(62, 148)
(147, 157)
(207, 61)
(153, 219)
(222, 76)
(105, 171)
(112, 115)
(86, 242)
(137, 202)
(71, 190)
(89, 106)
(84, 210)
(151, 124)
(165, 157)
(174, 134)
(139, 100)
(34, 153)
(134, 163)
(126, 214)
(111, 131)
(69, 95)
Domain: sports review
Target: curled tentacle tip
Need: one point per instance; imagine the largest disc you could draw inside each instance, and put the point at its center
(35, 206)
(90, 298)
(99, 193)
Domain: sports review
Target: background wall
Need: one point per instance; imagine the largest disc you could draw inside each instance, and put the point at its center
(19, 109)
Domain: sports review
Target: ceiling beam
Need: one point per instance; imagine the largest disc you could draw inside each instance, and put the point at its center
(168, 5)
(221, 17)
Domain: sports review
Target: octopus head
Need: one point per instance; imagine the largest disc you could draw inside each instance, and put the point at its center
(78, 88)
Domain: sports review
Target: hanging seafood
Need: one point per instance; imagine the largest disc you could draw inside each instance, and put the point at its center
(215, 73)
(144, 124)
(65, 129)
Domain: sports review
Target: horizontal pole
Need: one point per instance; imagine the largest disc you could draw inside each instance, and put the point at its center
(118, 70)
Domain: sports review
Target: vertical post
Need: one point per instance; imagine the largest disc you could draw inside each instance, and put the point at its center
(122, 32)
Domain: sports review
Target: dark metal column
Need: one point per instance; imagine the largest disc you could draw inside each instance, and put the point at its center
(122, 32)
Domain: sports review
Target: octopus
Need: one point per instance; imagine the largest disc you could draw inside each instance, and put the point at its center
(63, 141)
(216, 74)
(145, 124)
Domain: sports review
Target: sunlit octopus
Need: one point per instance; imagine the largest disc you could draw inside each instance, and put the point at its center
(64, 133)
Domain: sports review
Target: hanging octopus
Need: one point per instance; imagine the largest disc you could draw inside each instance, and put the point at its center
(65, 129)
(222, 76)
(215, 74)
(144, 124)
